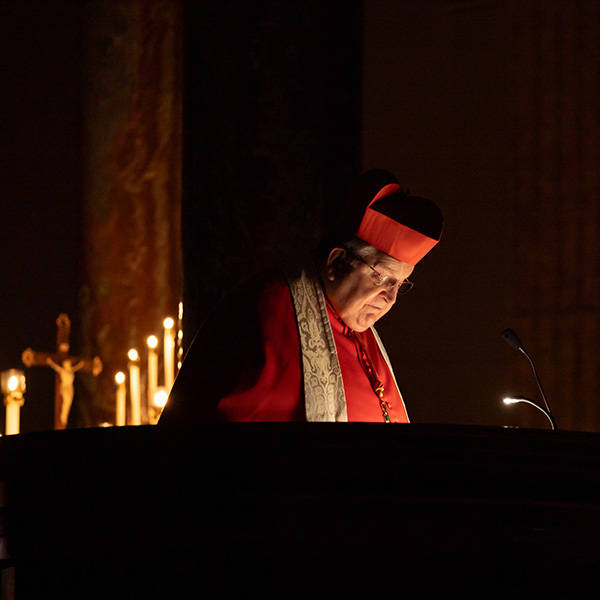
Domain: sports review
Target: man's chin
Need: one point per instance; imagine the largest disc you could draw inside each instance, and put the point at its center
(365, 322)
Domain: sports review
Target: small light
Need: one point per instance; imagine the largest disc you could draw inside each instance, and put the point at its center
(13, 382)
(120, 377)
(168, 323)
(160, 398)
(133, 355)
(511, 400)
(535, 405)
(152, 341)
(13, 386)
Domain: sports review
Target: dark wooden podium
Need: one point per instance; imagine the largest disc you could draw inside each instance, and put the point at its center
(300, 511)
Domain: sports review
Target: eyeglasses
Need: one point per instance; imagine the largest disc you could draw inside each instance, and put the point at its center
(384, 281)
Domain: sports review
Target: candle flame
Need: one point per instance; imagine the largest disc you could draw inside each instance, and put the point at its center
(132, 354)
(13, 383)
(168, 323)
(160, 398)
(120, 377)
(152, 341)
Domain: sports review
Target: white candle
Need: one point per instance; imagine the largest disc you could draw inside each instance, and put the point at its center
(152, 368)
(13, 416)
(169, 348)
(134, 383)
(13, 400)
(120, 419)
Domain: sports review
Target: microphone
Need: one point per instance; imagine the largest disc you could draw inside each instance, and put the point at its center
(513, 340)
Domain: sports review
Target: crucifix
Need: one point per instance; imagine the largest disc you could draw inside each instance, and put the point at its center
(65, 366)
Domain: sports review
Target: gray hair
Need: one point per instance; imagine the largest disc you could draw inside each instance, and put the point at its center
(357, 247)
(354, 247)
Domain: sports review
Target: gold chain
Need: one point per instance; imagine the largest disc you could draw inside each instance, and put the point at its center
(376, 383)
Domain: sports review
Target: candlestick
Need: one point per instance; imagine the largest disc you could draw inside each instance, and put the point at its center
(169, 349)
(152, 368)
(120, 419)
(135, 389)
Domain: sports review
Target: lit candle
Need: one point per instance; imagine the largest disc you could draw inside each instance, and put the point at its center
(152, 367)
(161, 397)
(134, 383)
(158, 403)
(121, 392)
(13, 409)
(13, 388)
(169, 348)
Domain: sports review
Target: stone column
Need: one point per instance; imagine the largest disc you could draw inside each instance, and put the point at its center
(131, 153)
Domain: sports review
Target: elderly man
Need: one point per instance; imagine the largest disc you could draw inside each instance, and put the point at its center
(301, 346)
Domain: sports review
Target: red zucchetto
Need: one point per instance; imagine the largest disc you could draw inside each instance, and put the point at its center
(402, 226)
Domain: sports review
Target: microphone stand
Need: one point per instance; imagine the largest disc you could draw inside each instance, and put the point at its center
(513, 339)
(538, 406)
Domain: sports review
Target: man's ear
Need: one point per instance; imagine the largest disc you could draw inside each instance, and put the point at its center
(335, 262)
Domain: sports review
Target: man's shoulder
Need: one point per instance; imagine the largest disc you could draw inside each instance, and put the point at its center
(256, 295)
(264, 295)
(259, 285)
(273, 280)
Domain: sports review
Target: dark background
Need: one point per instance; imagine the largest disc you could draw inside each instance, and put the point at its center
(437, 92)
(41, 253)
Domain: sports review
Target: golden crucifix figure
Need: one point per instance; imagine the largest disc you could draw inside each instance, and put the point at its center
(65, 367)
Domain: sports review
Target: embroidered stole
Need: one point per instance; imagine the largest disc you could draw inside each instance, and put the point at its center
(324, 395)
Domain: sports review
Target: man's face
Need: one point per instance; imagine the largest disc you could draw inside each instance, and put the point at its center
(353, 293)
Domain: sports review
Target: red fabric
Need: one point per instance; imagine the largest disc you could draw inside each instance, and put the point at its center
(361, 401)
(389, 236)
(245, 364)
(275, 392)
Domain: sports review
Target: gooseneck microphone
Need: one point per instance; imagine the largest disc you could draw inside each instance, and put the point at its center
(513, 340)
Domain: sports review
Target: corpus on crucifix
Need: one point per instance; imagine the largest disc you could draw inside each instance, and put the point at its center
(65, 366)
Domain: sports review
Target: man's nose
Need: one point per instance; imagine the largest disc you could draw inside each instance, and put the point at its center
(391, 293)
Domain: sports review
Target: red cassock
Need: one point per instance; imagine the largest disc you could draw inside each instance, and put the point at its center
(245, 364)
